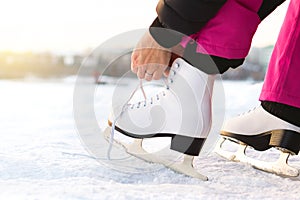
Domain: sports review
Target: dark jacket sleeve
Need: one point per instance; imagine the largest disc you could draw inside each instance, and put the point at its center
(267, 7)
(177, 18)
(182, 17)
(187, 16)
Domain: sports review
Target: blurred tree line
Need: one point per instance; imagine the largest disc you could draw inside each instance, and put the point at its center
(254, 67)
(111, 62)
(44, 65)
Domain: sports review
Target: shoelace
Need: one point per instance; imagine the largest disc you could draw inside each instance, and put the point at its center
(250, 110)
(124, 107)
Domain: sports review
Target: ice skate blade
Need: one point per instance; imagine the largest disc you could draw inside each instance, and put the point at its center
(238, 156)
(186, 167)
(136, 149)
(225, 154)
(279, 167)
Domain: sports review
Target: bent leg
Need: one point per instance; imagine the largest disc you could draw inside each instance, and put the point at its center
(282, 82)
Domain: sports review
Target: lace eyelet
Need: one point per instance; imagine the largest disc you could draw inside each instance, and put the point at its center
(177, 65)
(157, 97)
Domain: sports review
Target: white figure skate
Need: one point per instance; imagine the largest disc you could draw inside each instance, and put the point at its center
(182, 111)
(261, 130)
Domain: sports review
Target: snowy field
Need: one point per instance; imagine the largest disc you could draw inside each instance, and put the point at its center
(42, 157)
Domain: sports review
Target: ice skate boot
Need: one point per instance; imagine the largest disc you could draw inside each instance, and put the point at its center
(182, 111)
(261, 130)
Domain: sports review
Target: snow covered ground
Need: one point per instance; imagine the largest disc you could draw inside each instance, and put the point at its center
(42, 157)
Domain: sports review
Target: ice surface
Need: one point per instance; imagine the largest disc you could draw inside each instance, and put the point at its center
(41, 156)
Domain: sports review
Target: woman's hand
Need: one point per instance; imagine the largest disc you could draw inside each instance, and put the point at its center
(149, 60)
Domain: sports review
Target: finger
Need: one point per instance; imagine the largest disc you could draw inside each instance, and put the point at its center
(167, 72)
(151, 68)
(149, 71)
(148, 77)
(158, 73)
(134, 67)
(141, 72)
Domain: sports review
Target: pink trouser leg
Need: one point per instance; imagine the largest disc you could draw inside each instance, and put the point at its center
(282, 81)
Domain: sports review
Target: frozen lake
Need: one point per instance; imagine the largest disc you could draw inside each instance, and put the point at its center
(42, 157)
